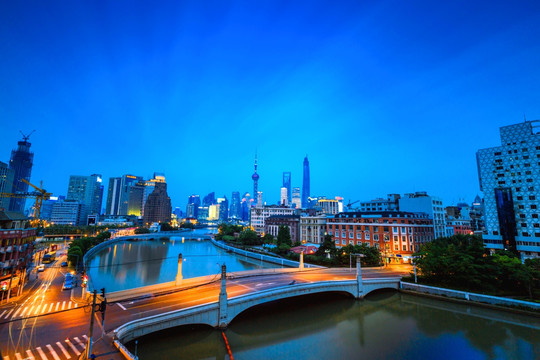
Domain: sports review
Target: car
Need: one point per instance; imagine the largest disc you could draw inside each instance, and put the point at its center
(68, 284)
(41, 268)
(64, 264)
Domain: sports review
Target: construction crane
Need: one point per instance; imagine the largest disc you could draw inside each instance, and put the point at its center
(351, 203)
(40, 194)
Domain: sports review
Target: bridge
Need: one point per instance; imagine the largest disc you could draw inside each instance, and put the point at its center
(220, 314)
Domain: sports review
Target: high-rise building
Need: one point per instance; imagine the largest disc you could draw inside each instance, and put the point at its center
(255, 178)
(87, 191)
(331, 206)
(259, 199)
(47, 207)
(421, 202)
(158, 205)
(203, 213)
(510, 181)
(296, 199)
(284, 201)
(287, 184)
(68, 212)
(6, 181)
(246, 205)
(305, 184)
(118, 195)
(21, 164)
(209, 199)
(236, 207)
(223, 208)
(192, 208)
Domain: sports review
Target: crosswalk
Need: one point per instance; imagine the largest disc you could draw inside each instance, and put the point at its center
(32, 310)
(60, 350)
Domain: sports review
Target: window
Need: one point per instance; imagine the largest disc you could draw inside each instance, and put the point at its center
(351, 242)
(532, 197)
(404, 238)
(343, 234)
(337, 242)
(395, 229)
(330, 233)
(523, 224)
(375, 228)
(386, 237)
(359, 235)
(343, 242)
(396, 247)
(534, 216)
(396, 238)
(403, 230)
(366, 235)
(404, 247)
(520, 197)
(522, 216)
(375, 237)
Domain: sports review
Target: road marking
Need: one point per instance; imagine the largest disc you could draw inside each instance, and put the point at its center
(85, 337)
(63, 305)
(37, 309)
(18, 356)
(58, 303)
(69, 306)
(44, 308)
(24, 311)
(53, 353)
(41, 353)
(10, 311)
(30, 355)
(30, 311)
(79, 342)
(76, 305)
(121, 306)
(16, 312)
(72, 347)
(66, 354)
(50, 307)
(2, 314)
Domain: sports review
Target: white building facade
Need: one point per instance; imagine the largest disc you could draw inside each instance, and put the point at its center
(421, 202)
(312, 229)
(510, 180)
(259, 214)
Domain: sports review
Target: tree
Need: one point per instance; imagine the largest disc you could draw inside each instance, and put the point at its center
(248, 237)
(284, 236)
(142, 230)
(327, 248)
(166, 227)
(268, 239)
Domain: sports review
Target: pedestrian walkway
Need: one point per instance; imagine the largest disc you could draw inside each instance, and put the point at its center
(39, 309)
(61, 349)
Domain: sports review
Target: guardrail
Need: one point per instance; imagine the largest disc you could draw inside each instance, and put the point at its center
(468, 296)
(265, 258)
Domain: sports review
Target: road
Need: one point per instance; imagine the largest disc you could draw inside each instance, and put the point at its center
(61, 334)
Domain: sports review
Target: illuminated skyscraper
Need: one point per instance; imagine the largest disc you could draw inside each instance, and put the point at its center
(305, 185)
(21, 163)
(287, 184)
(255, 178)
(87, 191)
(236, 209)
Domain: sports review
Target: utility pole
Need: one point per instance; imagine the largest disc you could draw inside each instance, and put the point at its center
(102, 308)
(89, 344)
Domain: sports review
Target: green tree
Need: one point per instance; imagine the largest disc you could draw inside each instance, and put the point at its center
(142, 230)
(166, 227)
(327, 248)
(284, 236)
(248, 237)
(268, 239)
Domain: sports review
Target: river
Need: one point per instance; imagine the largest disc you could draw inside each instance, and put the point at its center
(385, 325)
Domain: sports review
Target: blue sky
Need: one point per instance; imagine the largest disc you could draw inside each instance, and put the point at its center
(383, 96)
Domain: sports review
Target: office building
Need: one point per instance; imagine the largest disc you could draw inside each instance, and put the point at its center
(259, 214)
(296, 199)
(287, 185)
(396, 234)
(223, 208)
(284, 200)
(192, 208)
(68, 212)
(246, 206)
(6, 181)
(149, 186)
(312, 229)
(21, 164)
(158, 207)
(119, 193)
(236, 206)
(209, 199)
(509, 178)
(391, 203)
(305, 185)
(203, 213)
(331, 206)
(421, 202)
(47, 206)
(213, 212)
(87, 191)
(259, 199)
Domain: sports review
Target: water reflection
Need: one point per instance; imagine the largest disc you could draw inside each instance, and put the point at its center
(385, 325)
(130, 264)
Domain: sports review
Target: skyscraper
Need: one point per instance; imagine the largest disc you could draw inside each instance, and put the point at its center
(223, 208)
(192, 208)
(296, 199)
(158, 205)
(21, 163)
(118, 195)
(287, 184)
(283, 201)
(236, 210)
(305, 185)
(209, 199)
(509, 180)
(87, 191)
(6, 179)
(255, 178)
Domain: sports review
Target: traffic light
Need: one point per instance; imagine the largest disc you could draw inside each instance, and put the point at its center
(4, 285)
(85, 281)
(103, 293)
(103, 306)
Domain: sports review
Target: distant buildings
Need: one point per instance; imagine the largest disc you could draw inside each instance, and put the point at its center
(255, 178)
(125, 195)
(236, 206)
(396, 234)
(21, 164)
(68, 212)
(284, 200)
(259, 215)
(192, 208)
(272, 224)
(287, 185)
(6, 181)
(305, 185)
(158, 206)
(391, 203)
(312, 229)
(209, 199)
(509, 178)
(87, 191)
(331, 206)
(296, 199)
(223, 205)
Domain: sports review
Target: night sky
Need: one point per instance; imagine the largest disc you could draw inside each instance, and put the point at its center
(383, 96)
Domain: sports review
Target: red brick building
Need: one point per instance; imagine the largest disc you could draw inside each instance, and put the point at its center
(396, 234)
(16, 248)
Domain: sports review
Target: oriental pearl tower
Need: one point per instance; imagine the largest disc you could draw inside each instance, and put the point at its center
(255, 178)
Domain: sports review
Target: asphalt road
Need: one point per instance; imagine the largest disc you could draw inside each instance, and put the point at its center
(53, 333)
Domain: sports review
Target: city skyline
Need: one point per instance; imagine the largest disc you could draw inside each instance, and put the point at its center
(406, 93)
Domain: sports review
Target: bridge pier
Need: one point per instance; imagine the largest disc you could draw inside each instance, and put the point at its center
(179, 277)
(302, 260)
(360, 293)
(223, 319)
